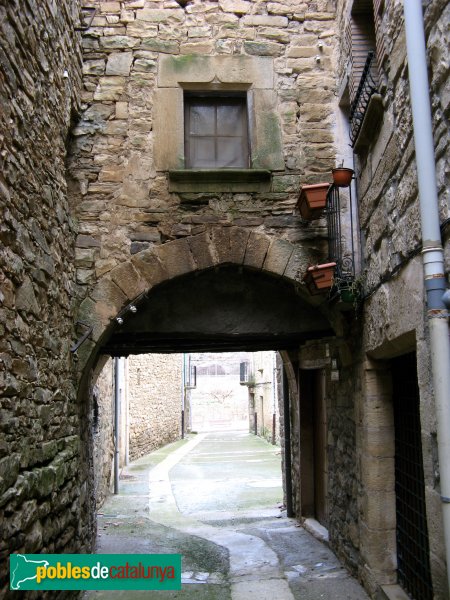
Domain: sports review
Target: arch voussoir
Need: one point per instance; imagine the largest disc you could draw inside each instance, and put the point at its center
(296, 265)
(176, 257)
(256, 250)
(91, 314)
(149, 267)
(129, 280)
(277, 257)
(109, 299)
(238, 244)
(202, 250)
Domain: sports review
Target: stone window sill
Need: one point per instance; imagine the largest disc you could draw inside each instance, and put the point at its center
(219, 180)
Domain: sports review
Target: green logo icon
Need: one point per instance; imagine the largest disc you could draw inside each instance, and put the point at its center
(95, 571)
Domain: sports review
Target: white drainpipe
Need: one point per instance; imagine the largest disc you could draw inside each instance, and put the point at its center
(116, 424)
(433, 255)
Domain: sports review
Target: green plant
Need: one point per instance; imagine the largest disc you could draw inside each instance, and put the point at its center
(349, 289)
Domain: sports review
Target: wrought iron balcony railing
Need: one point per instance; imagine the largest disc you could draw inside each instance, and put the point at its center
(366, 89)
(339, 251)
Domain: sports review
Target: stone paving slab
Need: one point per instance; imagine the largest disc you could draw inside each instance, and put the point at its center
(215, 498)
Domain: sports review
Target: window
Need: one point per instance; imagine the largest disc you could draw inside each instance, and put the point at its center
(363, 40)
(216, 123)
(216, 132)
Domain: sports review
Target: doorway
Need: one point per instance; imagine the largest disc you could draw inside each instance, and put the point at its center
(313, 446)
(413, 560)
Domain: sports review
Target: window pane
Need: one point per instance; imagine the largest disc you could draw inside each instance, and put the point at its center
(230, 120)
(216, 133)
(202, 152)
(201, 119)
(230, 152)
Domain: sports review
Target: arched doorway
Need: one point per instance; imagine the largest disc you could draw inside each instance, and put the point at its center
(223, 290)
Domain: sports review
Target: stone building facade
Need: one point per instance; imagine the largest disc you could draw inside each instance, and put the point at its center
(216, 398)
(394, 332)
(103, 433)
(154, 402)
(149, 399)
(260, 377)
(151, 253)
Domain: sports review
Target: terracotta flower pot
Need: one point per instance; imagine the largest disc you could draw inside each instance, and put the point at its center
(319, 278)
(342, 176)
(312, 200)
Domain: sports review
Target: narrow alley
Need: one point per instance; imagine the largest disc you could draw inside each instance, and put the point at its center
(215, 498)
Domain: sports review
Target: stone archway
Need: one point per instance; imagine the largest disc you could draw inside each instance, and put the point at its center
(133, 281)
(274, 267)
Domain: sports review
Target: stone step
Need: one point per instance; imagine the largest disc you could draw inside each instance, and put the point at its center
(392, 592)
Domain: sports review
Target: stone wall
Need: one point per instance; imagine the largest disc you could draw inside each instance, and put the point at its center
(394, 320)
(113, 165)
(343, 483)
(42, 483)
(103, 432)
(154, 400)
(136, 54)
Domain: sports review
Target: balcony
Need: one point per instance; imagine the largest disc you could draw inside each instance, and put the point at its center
(346, 286)
(337, 275)
(366, 109)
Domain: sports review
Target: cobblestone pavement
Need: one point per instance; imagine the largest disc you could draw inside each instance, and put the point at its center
(215, 498)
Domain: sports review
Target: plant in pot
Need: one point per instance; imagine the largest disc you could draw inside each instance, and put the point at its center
(349, 289)
(342, 176)
(312, 200)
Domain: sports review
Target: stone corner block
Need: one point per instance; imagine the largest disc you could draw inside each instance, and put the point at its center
(109, 299)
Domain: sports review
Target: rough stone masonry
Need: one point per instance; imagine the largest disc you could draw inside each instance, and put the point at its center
(43, 469)
(92, 103)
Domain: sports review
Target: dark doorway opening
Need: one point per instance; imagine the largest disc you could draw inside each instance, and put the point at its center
(313, 446)
(412, 533)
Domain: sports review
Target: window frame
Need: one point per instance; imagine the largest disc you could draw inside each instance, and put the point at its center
(251, 75)
(216, 99)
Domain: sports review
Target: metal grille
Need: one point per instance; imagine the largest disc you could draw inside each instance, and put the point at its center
(345, 268)
(412, 532)
(366, 88)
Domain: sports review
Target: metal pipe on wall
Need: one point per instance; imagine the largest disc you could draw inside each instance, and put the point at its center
(287, 445)
(183, 392)
(116, 423)
(127, 412)
(274, 396)
(433, 255)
